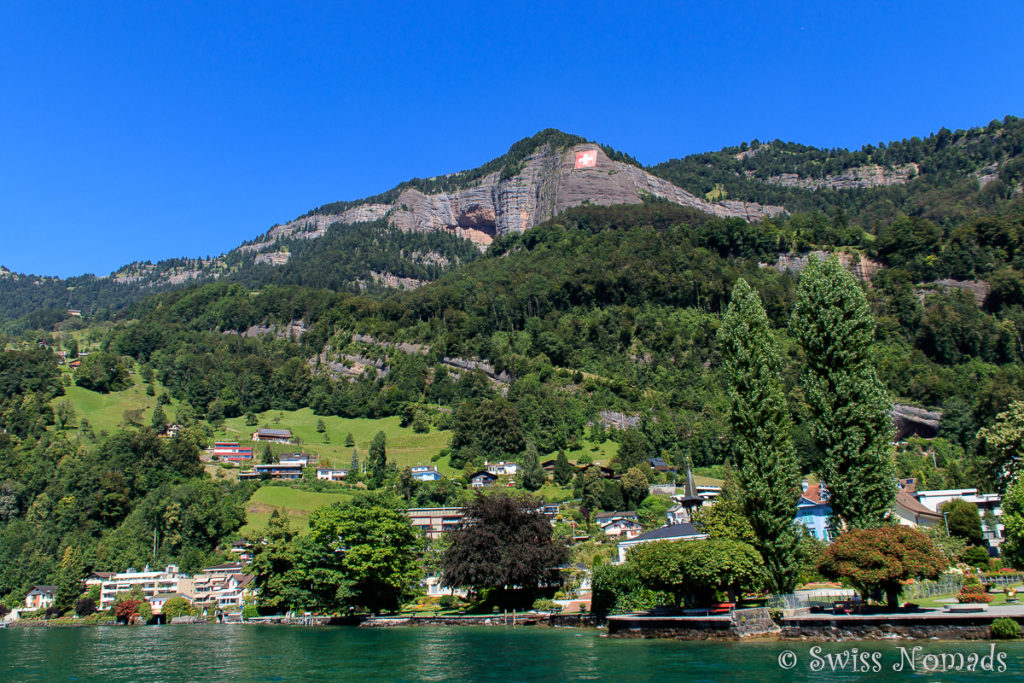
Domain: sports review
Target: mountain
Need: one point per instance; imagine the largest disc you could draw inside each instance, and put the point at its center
(947, 177)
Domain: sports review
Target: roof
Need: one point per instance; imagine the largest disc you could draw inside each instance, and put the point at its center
(100, 575)
(913, 506)
(45, 590)
(669, 532)
(813, 495)
(275, 432)
(243, 579)
(229, 565)
(628, 514)
(482, 473)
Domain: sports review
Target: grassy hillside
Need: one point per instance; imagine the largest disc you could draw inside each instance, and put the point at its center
(295, 503)
(404, 446)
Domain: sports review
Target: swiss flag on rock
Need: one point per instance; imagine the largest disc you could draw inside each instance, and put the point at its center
(586, 159)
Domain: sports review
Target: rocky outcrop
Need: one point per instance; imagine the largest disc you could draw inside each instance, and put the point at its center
(978, 288)
(862, 267)
(859, 177)
(548, 182)
(274, 258)
(911, 421)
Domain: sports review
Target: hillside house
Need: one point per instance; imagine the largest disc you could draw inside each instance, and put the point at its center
(272, 435)
(425, 473)
(169, 431)
(274, 470)
(327, 474)
(620, 524)
(501, 468)
(435, 522)
(40, 597)
(481, 479)
(232, 451)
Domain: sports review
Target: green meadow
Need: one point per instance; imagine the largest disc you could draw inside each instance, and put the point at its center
(295, 503)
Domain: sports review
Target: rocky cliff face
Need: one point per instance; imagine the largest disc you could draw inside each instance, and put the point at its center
(549, 181)
(860, 177)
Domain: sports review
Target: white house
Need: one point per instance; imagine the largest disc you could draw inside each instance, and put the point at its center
(990, 507)
(327, 474)
(670, 532)
(622, 524)
(501, 468)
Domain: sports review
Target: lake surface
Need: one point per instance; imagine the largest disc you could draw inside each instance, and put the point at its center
(284, 653)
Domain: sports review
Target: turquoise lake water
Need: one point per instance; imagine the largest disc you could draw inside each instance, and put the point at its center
(282, 653)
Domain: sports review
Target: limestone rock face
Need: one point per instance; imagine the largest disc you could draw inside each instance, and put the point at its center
(859, 177)
(863, 269)
(547, 182)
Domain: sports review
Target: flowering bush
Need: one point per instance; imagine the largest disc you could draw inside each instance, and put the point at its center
(974, 593)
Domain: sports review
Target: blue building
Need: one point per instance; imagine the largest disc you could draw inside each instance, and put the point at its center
(813, 511)
(424, 473)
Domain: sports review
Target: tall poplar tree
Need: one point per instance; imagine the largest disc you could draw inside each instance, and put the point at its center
(850, 408)
(761, 444)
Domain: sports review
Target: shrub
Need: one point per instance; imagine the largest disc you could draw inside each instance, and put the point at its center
(448, 602)
(250, 611)
(545, 605)
(1005, 629)
(973, 593)
(975, 556)
(85, 606)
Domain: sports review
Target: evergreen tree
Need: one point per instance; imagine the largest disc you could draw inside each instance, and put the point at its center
(849, 406)
(761, 443)
(69, 580)
(355, 463)
(532, 477)
(563, 470)
(350, 440)
(378, 456)
(159, 419)
(267, 455)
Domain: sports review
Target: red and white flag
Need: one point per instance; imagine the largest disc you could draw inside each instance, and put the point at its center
(587, 159)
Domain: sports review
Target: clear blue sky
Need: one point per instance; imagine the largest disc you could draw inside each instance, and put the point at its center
(146, 130)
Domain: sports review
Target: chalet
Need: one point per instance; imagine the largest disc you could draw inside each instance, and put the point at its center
(481, 479)
(620, 524)
(169, 431)
(425, 473)
(659, 465)
(40, 597)
(328, 474)
(501, 468)
(670, 532)
(435, 522)
(272, 435)
(75, 364)
(232, 451)
(548, 466)
(605, 472)
(74, 312)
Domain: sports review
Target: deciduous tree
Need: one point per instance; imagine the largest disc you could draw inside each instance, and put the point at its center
(882, 558)
(505, 542)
